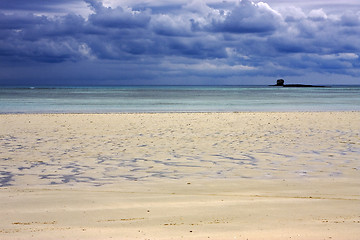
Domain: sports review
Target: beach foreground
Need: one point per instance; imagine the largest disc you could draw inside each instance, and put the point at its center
(180, 176)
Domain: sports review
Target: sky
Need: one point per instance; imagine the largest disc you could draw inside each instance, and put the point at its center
(179, 42)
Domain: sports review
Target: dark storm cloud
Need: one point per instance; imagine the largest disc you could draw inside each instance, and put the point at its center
(34, 5)
(183, 39)
(38, 38)
(17, 21)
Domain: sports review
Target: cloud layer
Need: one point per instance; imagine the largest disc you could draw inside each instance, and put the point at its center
(185, 40)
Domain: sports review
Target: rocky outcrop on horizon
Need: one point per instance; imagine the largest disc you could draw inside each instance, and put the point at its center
(281, 83)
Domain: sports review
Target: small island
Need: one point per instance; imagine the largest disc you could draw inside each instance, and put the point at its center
(281, 83)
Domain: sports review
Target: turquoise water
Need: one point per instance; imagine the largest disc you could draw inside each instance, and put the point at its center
(177, 99)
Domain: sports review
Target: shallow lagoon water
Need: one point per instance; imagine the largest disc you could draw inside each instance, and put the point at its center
(177, 99)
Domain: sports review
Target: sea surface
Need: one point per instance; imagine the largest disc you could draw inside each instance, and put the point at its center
(129, 99)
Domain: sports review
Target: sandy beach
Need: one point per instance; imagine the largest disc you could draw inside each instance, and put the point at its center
(261, 175)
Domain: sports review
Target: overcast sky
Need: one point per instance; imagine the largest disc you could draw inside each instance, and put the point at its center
(63, 42)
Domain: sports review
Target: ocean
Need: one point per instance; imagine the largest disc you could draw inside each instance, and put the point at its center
(132, 99)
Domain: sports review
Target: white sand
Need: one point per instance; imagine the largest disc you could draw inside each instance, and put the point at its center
(180, 176)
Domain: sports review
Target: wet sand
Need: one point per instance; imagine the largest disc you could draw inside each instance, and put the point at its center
(180, 176)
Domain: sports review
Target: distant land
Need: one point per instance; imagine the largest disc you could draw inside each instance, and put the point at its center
(281, 83)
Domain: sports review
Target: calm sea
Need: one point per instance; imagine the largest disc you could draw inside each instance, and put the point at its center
(177, 99)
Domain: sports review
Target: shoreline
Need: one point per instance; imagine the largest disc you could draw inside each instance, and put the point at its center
(178, 112)
(243, 175)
